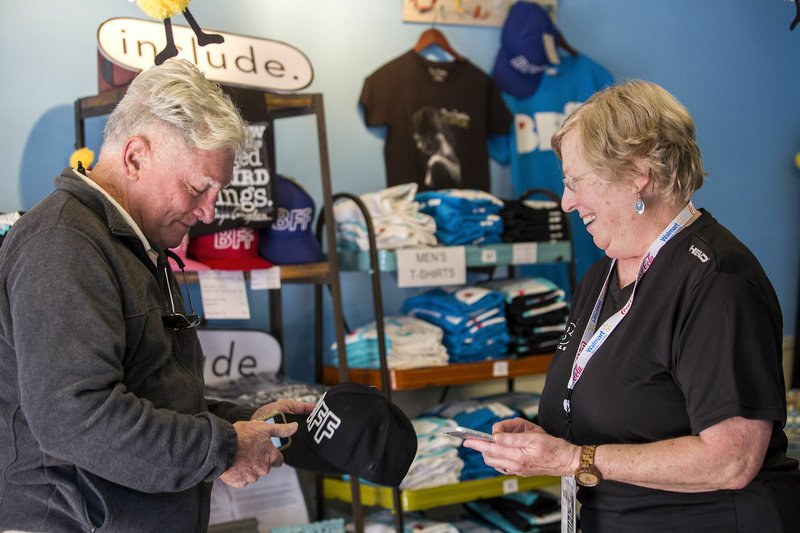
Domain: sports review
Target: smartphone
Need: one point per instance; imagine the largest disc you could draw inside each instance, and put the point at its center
(278, 442)
(467, 433)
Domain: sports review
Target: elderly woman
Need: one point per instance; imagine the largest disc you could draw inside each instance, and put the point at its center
(664, 404)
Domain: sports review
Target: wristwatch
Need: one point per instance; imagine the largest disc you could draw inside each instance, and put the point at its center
(587, 475)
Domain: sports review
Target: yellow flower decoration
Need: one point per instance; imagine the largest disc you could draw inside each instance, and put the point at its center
(162, 9)
(84, 155)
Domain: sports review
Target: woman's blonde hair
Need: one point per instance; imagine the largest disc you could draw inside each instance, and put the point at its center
(638, 122)
(177, 95)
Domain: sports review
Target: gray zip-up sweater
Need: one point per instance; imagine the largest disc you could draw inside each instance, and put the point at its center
(103, 423)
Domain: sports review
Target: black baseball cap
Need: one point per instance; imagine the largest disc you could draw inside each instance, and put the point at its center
(354, 429)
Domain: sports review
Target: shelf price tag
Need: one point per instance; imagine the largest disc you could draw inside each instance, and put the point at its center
(265, 279)
(424, 267)
(489, 256)
(523, 253)
(224, 294)
(500, 369)
(510, 485)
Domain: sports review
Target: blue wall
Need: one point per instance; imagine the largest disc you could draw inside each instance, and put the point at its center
(733, 63)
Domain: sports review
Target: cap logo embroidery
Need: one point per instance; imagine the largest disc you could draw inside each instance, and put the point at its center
(522, 64)
(235, 239)
(290, 219)
(322, 422)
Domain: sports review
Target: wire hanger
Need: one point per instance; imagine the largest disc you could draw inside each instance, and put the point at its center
(434, 37)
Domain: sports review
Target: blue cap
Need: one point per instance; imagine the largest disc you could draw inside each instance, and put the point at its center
(522, 58)
(290, 240)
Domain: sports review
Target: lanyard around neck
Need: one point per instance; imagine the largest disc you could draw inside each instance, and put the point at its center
(593, 338)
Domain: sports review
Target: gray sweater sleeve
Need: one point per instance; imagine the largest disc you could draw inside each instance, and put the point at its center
(85, 372)
(232, 412)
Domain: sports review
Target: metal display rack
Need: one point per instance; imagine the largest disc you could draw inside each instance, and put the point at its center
(373, 262)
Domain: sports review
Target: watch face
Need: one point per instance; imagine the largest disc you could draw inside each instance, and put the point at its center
(586, 478)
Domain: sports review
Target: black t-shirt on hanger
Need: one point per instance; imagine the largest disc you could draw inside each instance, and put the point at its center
(439, 117)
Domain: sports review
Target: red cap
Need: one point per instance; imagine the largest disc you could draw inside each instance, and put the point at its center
(232, 249)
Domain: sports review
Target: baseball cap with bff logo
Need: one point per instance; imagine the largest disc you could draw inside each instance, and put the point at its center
(230, 249)
(355, 430)
(290, 240)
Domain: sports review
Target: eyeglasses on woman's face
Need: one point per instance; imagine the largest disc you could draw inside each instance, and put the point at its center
(572, 183)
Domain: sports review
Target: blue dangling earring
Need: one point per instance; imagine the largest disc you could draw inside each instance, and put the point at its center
(639, 205)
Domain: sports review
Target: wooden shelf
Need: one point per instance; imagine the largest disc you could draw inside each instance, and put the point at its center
(440, 376)
(308, 273)
(281, 105)
(278, 105)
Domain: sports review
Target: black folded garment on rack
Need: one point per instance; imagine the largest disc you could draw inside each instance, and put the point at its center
(525, 332)
(552, 318)
(532, 221)
(537, 234)
(534, 344)
(520, 304)
(534, 210)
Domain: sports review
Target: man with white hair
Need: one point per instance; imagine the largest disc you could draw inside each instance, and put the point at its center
(103, 422)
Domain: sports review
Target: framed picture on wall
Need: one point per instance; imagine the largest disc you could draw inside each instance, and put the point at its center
(465, 12)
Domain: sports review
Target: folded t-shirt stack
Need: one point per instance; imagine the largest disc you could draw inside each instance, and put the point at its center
(475, 414)
(258, 389)
(520, 512)
(410, 343)
(437, 461)
(472, 318)
(384, 521)
(396, 220)
(463, 216)
(525, 403)
(533, 221)
(536, 311)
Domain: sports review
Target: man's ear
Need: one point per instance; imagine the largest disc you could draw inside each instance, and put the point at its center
(135, 155)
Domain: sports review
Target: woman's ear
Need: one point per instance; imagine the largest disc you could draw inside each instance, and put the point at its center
(643, 177)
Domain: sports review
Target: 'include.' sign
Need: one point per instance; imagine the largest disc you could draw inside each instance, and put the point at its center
(241, 60)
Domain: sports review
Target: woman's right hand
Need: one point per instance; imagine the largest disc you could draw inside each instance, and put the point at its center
(522, 448)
